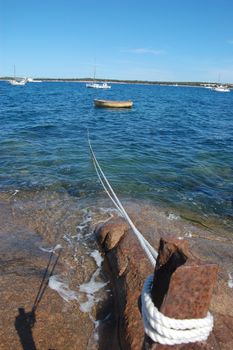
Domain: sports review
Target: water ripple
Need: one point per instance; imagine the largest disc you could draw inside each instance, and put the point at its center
(173, 147)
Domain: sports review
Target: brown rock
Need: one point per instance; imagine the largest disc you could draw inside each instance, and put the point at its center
(110, 233)
(223, 331)
(129, 267)
(53, 325)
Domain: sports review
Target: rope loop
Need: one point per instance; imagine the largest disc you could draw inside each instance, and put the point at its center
(170, 331)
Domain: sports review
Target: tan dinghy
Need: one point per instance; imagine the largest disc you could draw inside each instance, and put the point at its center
(113, 104)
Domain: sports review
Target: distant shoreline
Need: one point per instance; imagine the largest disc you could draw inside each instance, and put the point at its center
(116, 81)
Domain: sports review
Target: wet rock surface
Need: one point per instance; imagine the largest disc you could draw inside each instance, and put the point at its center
(29, 221)
(34, 316)
(54, 324)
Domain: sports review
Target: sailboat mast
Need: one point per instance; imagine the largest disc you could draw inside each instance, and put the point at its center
(94, 70)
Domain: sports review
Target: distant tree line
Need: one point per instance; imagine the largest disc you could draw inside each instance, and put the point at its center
(146, 82)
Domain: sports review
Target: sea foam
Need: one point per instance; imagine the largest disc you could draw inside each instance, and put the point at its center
(230, 280)
(97, 256)
(61, 286)
(50, 250)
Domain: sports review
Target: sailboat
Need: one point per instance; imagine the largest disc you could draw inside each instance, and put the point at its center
(98, 85)
(95, 85)
(220, 87)
(18, 82)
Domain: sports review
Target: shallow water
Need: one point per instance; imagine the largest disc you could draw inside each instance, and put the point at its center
(169, 159)
(174, 147)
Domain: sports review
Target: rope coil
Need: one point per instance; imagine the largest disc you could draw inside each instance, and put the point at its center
(166, 330)
(159, 328)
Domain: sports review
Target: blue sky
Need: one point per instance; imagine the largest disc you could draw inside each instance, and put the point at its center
(172, 40)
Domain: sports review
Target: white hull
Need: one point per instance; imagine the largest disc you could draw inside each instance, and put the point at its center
(31, 80)
(221, 89)
(98, 86)
(18, 83)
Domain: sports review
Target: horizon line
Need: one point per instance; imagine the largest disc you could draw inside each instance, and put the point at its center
(122, 80)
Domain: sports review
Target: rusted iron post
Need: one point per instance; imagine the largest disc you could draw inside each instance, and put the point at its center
(182, 285)
(182, 288)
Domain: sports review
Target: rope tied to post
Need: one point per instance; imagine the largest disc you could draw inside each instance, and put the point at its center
(166, 330)
(158, 327)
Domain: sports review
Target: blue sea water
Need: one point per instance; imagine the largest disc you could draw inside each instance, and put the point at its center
(174, 147)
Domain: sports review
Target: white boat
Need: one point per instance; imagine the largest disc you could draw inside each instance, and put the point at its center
(31, 80)
(98, 85)
(18, 82)
(221, 88)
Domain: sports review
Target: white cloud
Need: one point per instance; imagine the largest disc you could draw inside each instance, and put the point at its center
(145, 51)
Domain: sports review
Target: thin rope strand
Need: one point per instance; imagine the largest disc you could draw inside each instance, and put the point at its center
(149, 250)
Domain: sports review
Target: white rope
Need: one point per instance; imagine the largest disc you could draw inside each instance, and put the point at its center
(159, 328)
(166, 330)
(149, 250)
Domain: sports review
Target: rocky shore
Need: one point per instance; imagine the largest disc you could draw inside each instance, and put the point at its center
(54, 324)
(29, 222)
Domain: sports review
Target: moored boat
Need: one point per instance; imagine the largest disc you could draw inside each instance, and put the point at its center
(18, 82)
(31, 80)
(113, 104)
(98, 85)
(221, 88)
